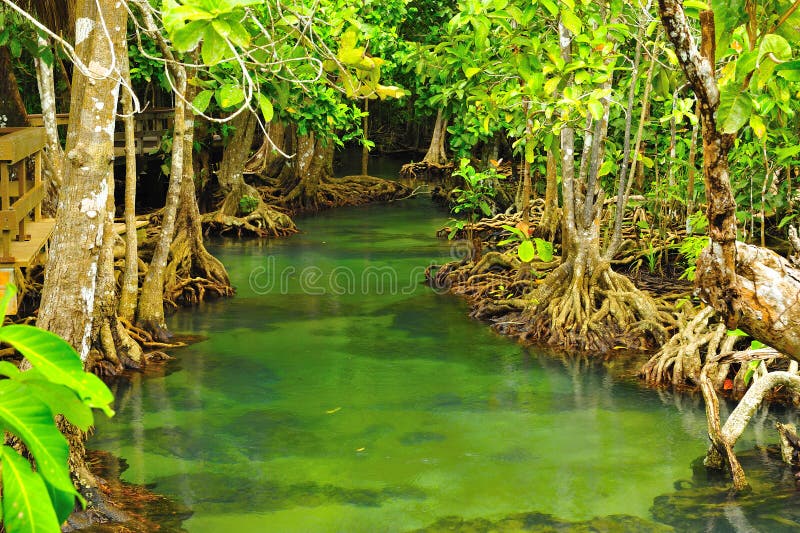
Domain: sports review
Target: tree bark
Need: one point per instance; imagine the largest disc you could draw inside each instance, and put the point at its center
(54, 154)
(78, 297)
(231, 169)
(716, 268)
(192, 273)
(150, 314)
(129, 292)
(436, 151)
(365, 148)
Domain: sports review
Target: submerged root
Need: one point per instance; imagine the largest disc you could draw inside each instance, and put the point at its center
(258, 219)
(193, 275)
(699, 337)
(332, 192)
(594, 313)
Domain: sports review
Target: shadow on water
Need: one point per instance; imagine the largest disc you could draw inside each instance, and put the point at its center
(368, 410)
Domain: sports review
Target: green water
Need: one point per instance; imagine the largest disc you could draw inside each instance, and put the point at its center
(334, 396)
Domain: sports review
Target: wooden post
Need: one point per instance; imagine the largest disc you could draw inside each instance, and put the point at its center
(37, 179)
(22, 178)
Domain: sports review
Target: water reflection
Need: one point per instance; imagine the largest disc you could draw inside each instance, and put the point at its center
(393, 412)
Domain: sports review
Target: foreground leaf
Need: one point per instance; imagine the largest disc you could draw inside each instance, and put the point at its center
(58, 362)
(25, 497)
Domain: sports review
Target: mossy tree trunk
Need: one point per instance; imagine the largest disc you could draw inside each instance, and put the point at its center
(313, 164)
(253, 215)
(129, 286)
(751, 288)
(583, 304)
(78, 297)
(437, 154)
(54, 154)
(192, 273)
(150, 312)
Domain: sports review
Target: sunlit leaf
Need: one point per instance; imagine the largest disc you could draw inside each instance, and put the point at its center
(59, 363)
(23, 494)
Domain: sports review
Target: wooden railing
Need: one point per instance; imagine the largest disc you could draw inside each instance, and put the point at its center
(19, 197)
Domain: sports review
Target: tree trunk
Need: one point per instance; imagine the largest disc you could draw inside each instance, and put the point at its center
(436, 152)
(12, 108)
(365, 148)
(54, 154)
(752, 288)
(268, 161)
(129, 292)
(192, 273)
(78, 297)
(150, 315)
(313, 164)
(231, 169)
(583, 304)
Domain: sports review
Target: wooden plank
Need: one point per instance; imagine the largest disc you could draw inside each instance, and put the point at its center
(20, 209)
(25, 253)
(20, 144)
(62, 119)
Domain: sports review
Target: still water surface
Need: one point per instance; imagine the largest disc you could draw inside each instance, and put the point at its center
(337, 393)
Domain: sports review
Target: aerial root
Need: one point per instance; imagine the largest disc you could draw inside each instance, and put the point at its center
(594, 313)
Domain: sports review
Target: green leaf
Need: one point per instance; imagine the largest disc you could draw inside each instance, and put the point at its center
(60, 399)
(544, 249)
(758, 126)
(187, 37)
(31, 420)
(229, 95)
(201, 101)
(776, 45)
(595, 108)
(214, 47)
(734, 110)
(469, 72)
(58, 362)
(752, 366)
(526, 251)
(15, 47)
(266, 107)
(550, 6)
(571, 21)
(26, 503)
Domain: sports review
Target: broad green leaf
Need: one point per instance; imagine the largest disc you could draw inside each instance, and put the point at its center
(758, 126)
(776, 45)
(544, 249)
(31, 420)
(229, 95)
(606, 168)
(266, 107)
(58, 362)
(550, 6)
(595, 108)
(571, 21)
(26, 503)
(201, 101)
(551, 85)
(736, 333)
(60, 399)
(526, 252)
(187, 37)
(734, 110)
(389, 91)
(789, 70)
(214, 47)
(745, 64)
(469, 72)
(8, 370)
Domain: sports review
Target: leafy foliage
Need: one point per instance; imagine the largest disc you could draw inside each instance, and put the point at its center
(41, 499)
